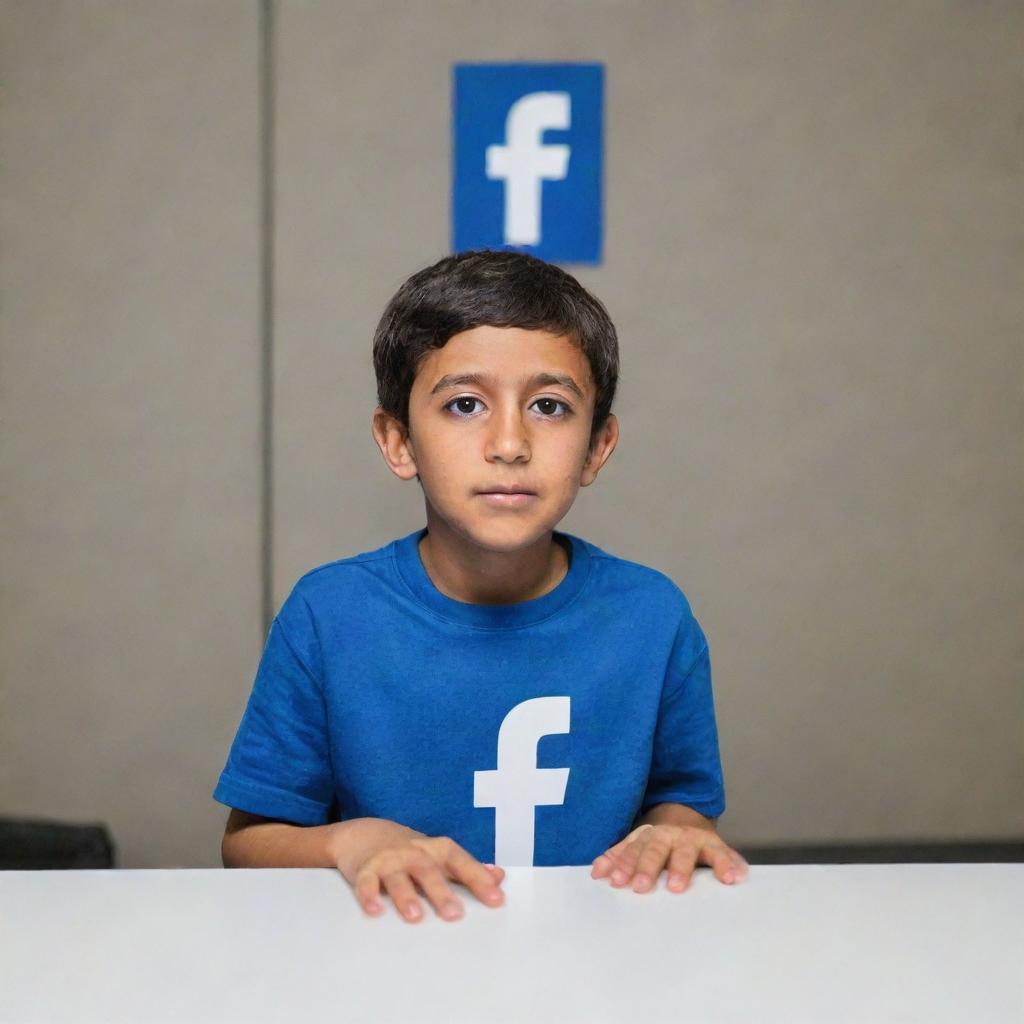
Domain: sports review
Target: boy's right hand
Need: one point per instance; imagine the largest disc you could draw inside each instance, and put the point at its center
(376, 853)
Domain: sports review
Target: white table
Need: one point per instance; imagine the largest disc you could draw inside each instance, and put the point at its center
(864, 943)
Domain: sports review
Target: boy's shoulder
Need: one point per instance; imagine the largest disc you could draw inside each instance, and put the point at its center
(349, 570)
(630, 579)
(337, 564)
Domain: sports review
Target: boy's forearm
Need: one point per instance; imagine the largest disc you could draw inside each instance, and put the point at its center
(676, 814)
(276, 844)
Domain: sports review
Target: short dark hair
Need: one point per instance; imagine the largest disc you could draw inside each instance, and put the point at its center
(497, 288)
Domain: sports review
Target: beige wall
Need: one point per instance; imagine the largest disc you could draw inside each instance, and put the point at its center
(814, 233)
(129, 539)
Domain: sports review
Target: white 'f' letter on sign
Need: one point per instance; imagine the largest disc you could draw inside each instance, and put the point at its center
(518, 786)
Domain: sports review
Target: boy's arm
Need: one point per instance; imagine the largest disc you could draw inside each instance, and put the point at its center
(373, 854)
(676, 814)
(252, 841)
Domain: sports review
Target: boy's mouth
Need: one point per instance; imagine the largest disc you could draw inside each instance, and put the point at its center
(507, 497)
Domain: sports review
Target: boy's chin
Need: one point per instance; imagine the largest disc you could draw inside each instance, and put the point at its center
(506, 538)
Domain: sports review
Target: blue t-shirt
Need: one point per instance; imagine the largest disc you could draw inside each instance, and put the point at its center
(530, 733)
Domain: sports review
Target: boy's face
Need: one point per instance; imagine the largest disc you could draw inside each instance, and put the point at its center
(509, 427)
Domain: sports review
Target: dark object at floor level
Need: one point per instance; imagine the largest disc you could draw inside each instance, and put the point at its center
(29, 845)
(889, 853)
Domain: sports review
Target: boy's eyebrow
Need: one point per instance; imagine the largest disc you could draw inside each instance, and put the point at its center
(452, 380)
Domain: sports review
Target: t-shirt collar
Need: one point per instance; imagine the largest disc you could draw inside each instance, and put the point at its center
(492, 616)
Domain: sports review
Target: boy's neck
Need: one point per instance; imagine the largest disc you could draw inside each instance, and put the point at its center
(476, 576)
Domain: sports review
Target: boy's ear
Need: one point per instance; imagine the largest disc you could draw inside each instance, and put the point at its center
(604, 444)
(395, 444)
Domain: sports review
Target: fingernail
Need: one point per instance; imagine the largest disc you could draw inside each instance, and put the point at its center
(676, 882)
(640, 883)
(413, 911)
(730, 877)
(618, 876)
(494, 896)
(373, 907)
(450, 911)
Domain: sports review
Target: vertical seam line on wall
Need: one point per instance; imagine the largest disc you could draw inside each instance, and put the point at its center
(266, 242)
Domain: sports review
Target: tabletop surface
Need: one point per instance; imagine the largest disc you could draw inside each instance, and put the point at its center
(864, 943)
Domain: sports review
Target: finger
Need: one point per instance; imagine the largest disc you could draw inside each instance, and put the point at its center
(465, 868)
(681, 862)
(626, 860)
(435, 887)
(602, 865)
(740, 864)
(606, 862)
(403, 894)
(728, 866)
(499, 873)
(367, 890)
(652, 859)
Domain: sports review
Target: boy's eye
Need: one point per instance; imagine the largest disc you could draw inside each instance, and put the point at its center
(464, 407)
(548, 403)
(460, 404)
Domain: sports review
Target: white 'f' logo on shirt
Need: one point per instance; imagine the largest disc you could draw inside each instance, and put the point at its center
(524, 161)
(518, 786)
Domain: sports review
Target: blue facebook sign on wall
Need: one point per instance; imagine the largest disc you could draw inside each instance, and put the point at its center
(527, 159)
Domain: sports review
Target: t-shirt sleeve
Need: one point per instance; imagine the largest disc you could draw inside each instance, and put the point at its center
(279, 765)
(686, 766)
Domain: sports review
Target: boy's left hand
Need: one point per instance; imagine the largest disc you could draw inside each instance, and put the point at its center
(649, 848)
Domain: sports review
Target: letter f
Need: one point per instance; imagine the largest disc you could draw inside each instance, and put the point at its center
(524, 161)
(518, 786)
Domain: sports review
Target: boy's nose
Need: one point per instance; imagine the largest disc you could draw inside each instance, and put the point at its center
(508, 439)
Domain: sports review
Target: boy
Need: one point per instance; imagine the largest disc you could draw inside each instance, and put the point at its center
(486, 688)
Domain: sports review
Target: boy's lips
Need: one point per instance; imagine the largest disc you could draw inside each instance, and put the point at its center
(509, 497)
